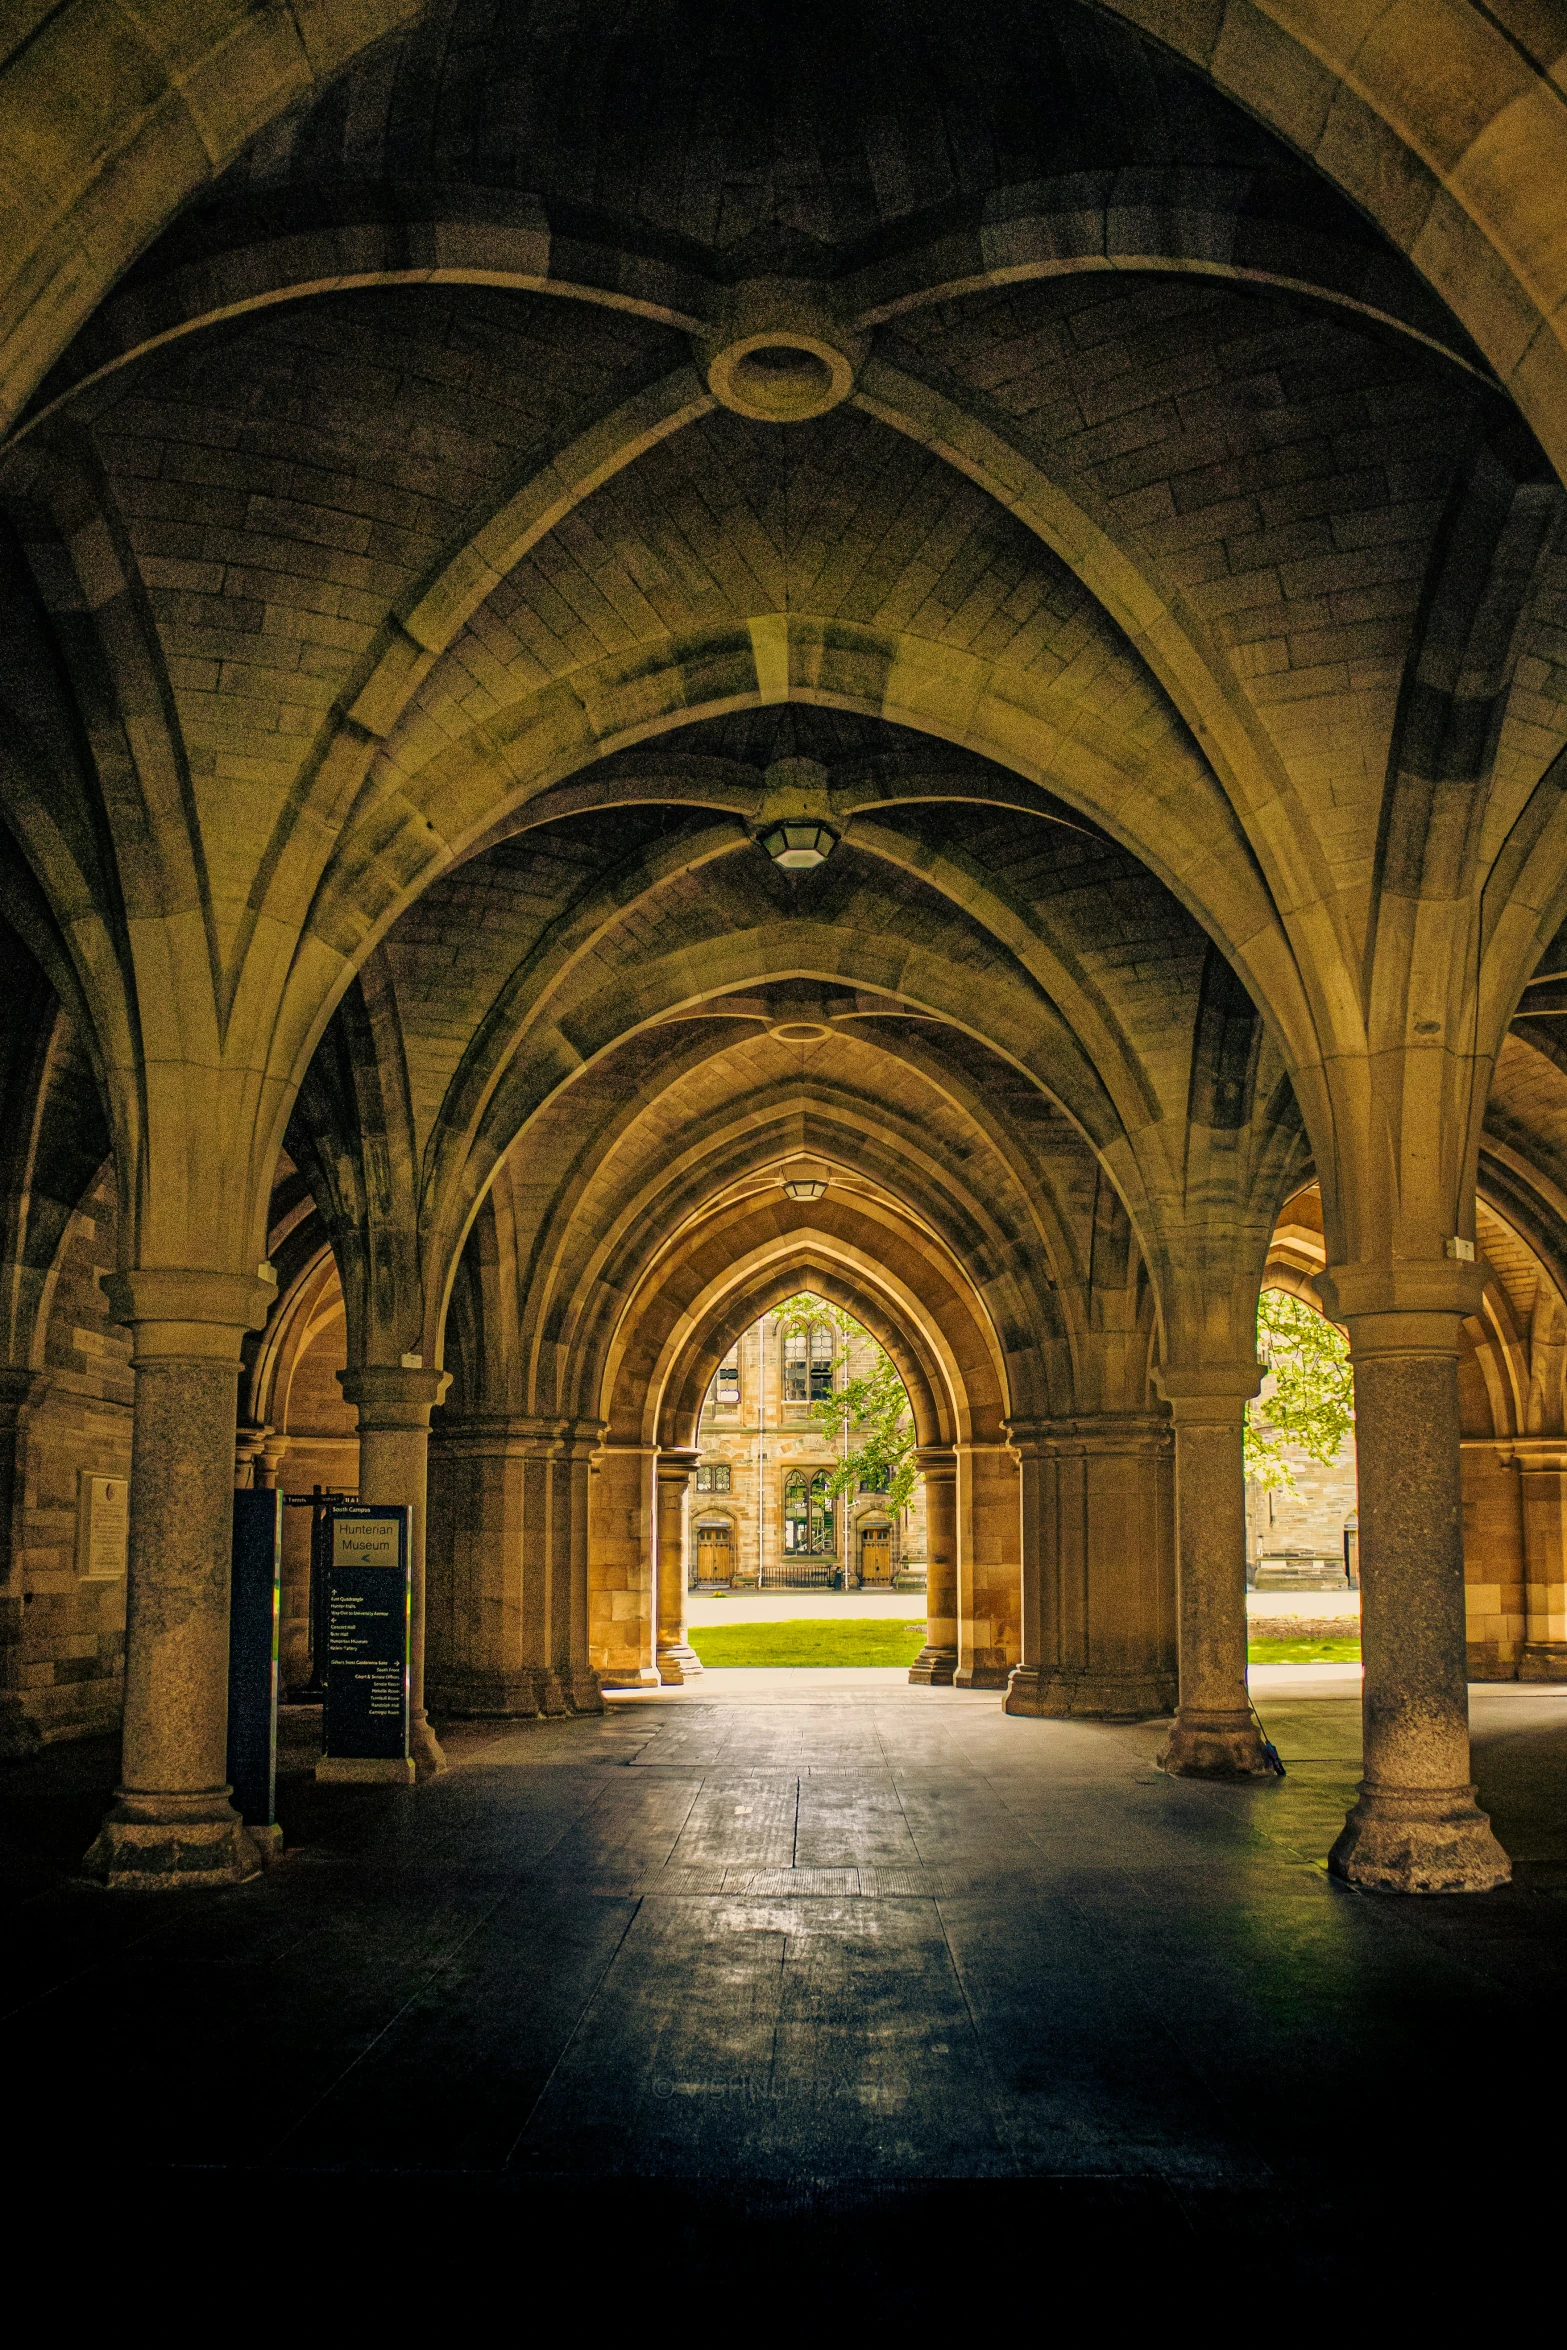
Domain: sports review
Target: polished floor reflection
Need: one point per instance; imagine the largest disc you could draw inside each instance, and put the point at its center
(824, 1935)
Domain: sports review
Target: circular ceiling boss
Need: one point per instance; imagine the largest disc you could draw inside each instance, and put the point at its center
(778, 354)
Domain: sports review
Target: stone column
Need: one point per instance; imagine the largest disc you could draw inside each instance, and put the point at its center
(937, 1661)
(1098, 1568)
(1038, 1543)
(394, 1402)
(172, 1823)
(1215, 1736)
(621, 1565)
(569, 1613)
(508, 1569)
(1542, 1468)
(479, 1660)
(990, 1572)
(677, 1659)
(1416, 1827)
(19, 1391)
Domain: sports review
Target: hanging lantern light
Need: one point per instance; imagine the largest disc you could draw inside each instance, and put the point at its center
(800, 844)
(807, 1179)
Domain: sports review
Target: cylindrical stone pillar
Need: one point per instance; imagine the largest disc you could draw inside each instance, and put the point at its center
(1215, 1735)
(172, 1823)
(394, 1402)
(1542, 1476)
(1416, 1827)
(677, 1659)
(1098, 1568)
(937, 1661)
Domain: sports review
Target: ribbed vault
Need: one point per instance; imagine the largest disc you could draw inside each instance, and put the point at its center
(409, 637)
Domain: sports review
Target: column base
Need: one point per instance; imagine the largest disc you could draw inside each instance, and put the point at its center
(1088, 1697)
(583, 1692)
(550, 1690)
(1419, 1840)
(634, 1677)
(1543, 1660)
(1215, 1746)
(425, 1749)
(19, 1734)
(985, 1672)
(502, 1697)
(677, 1664)
(934, 1668)
(162, 1843)
(367, 1770)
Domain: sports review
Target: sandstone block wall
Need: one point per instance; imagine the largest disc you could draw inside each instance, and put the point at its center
(71, 1628)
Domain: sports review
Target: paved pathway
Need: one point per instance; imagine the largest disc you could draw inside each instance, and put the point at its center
(804, 1933)
(776, 1607)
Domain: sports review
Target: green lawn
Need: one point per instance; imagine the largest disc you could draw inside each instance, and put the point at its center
(809, 1640)
(874, 1640)
(1304, 1652)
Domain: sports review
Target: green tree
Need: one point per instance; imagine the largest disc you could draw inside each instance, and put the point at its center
(873, 1406)
(1312, 1404)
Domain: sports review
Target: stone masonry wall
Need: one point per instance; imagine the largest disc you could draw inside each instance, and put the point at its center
(1310, 1518)
(73, 1627)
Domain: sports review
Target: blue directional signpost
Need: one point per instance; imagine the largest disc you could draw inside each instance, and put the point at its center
(365, 1717)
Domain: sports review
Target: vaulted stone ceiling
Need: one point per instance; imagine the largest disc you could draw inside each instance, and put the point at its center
(1176, 585)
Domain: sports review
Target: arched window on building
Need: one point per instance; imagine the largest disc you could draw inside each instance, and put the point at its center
(808, 1531)
(807, 1365)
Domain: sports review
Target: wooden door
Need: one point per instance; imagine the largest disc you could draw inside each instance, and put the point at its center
(876, 1555)
(714, 1554)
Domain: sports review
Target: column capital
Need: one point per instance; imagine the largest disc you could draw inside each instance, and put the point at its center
(677, 1463)
(181, 1315)
(936, 1460)
(393, 1395)
(269, 1461)
(1095, 1432)
(1208, 1394)
(580, 1439)
(1539, 1452)
(502, 1435)
(1404, 1308)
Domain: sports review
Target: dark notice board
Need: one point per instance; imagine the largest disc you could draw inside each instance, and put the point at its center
(366, 1712)
(253, 1643)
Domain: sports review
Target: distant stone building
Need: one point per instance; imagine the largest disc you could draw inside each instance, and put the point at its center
(761, 1514)
(1313, 1518)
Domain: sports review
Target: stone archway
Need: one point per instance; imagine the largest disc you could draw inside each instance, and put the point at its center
(695, 1300)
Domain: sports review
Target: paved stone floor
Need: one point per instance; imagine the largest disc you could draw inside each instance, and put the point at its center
(821, 1962)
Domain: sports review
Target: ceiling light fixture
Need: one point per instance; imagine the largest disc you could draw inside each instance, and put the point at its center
(806, 1180)
(799, 846)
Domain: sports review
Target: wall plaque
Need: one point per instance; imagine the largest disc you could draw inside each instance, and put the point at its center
(365, 1717)
(103, 1524)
